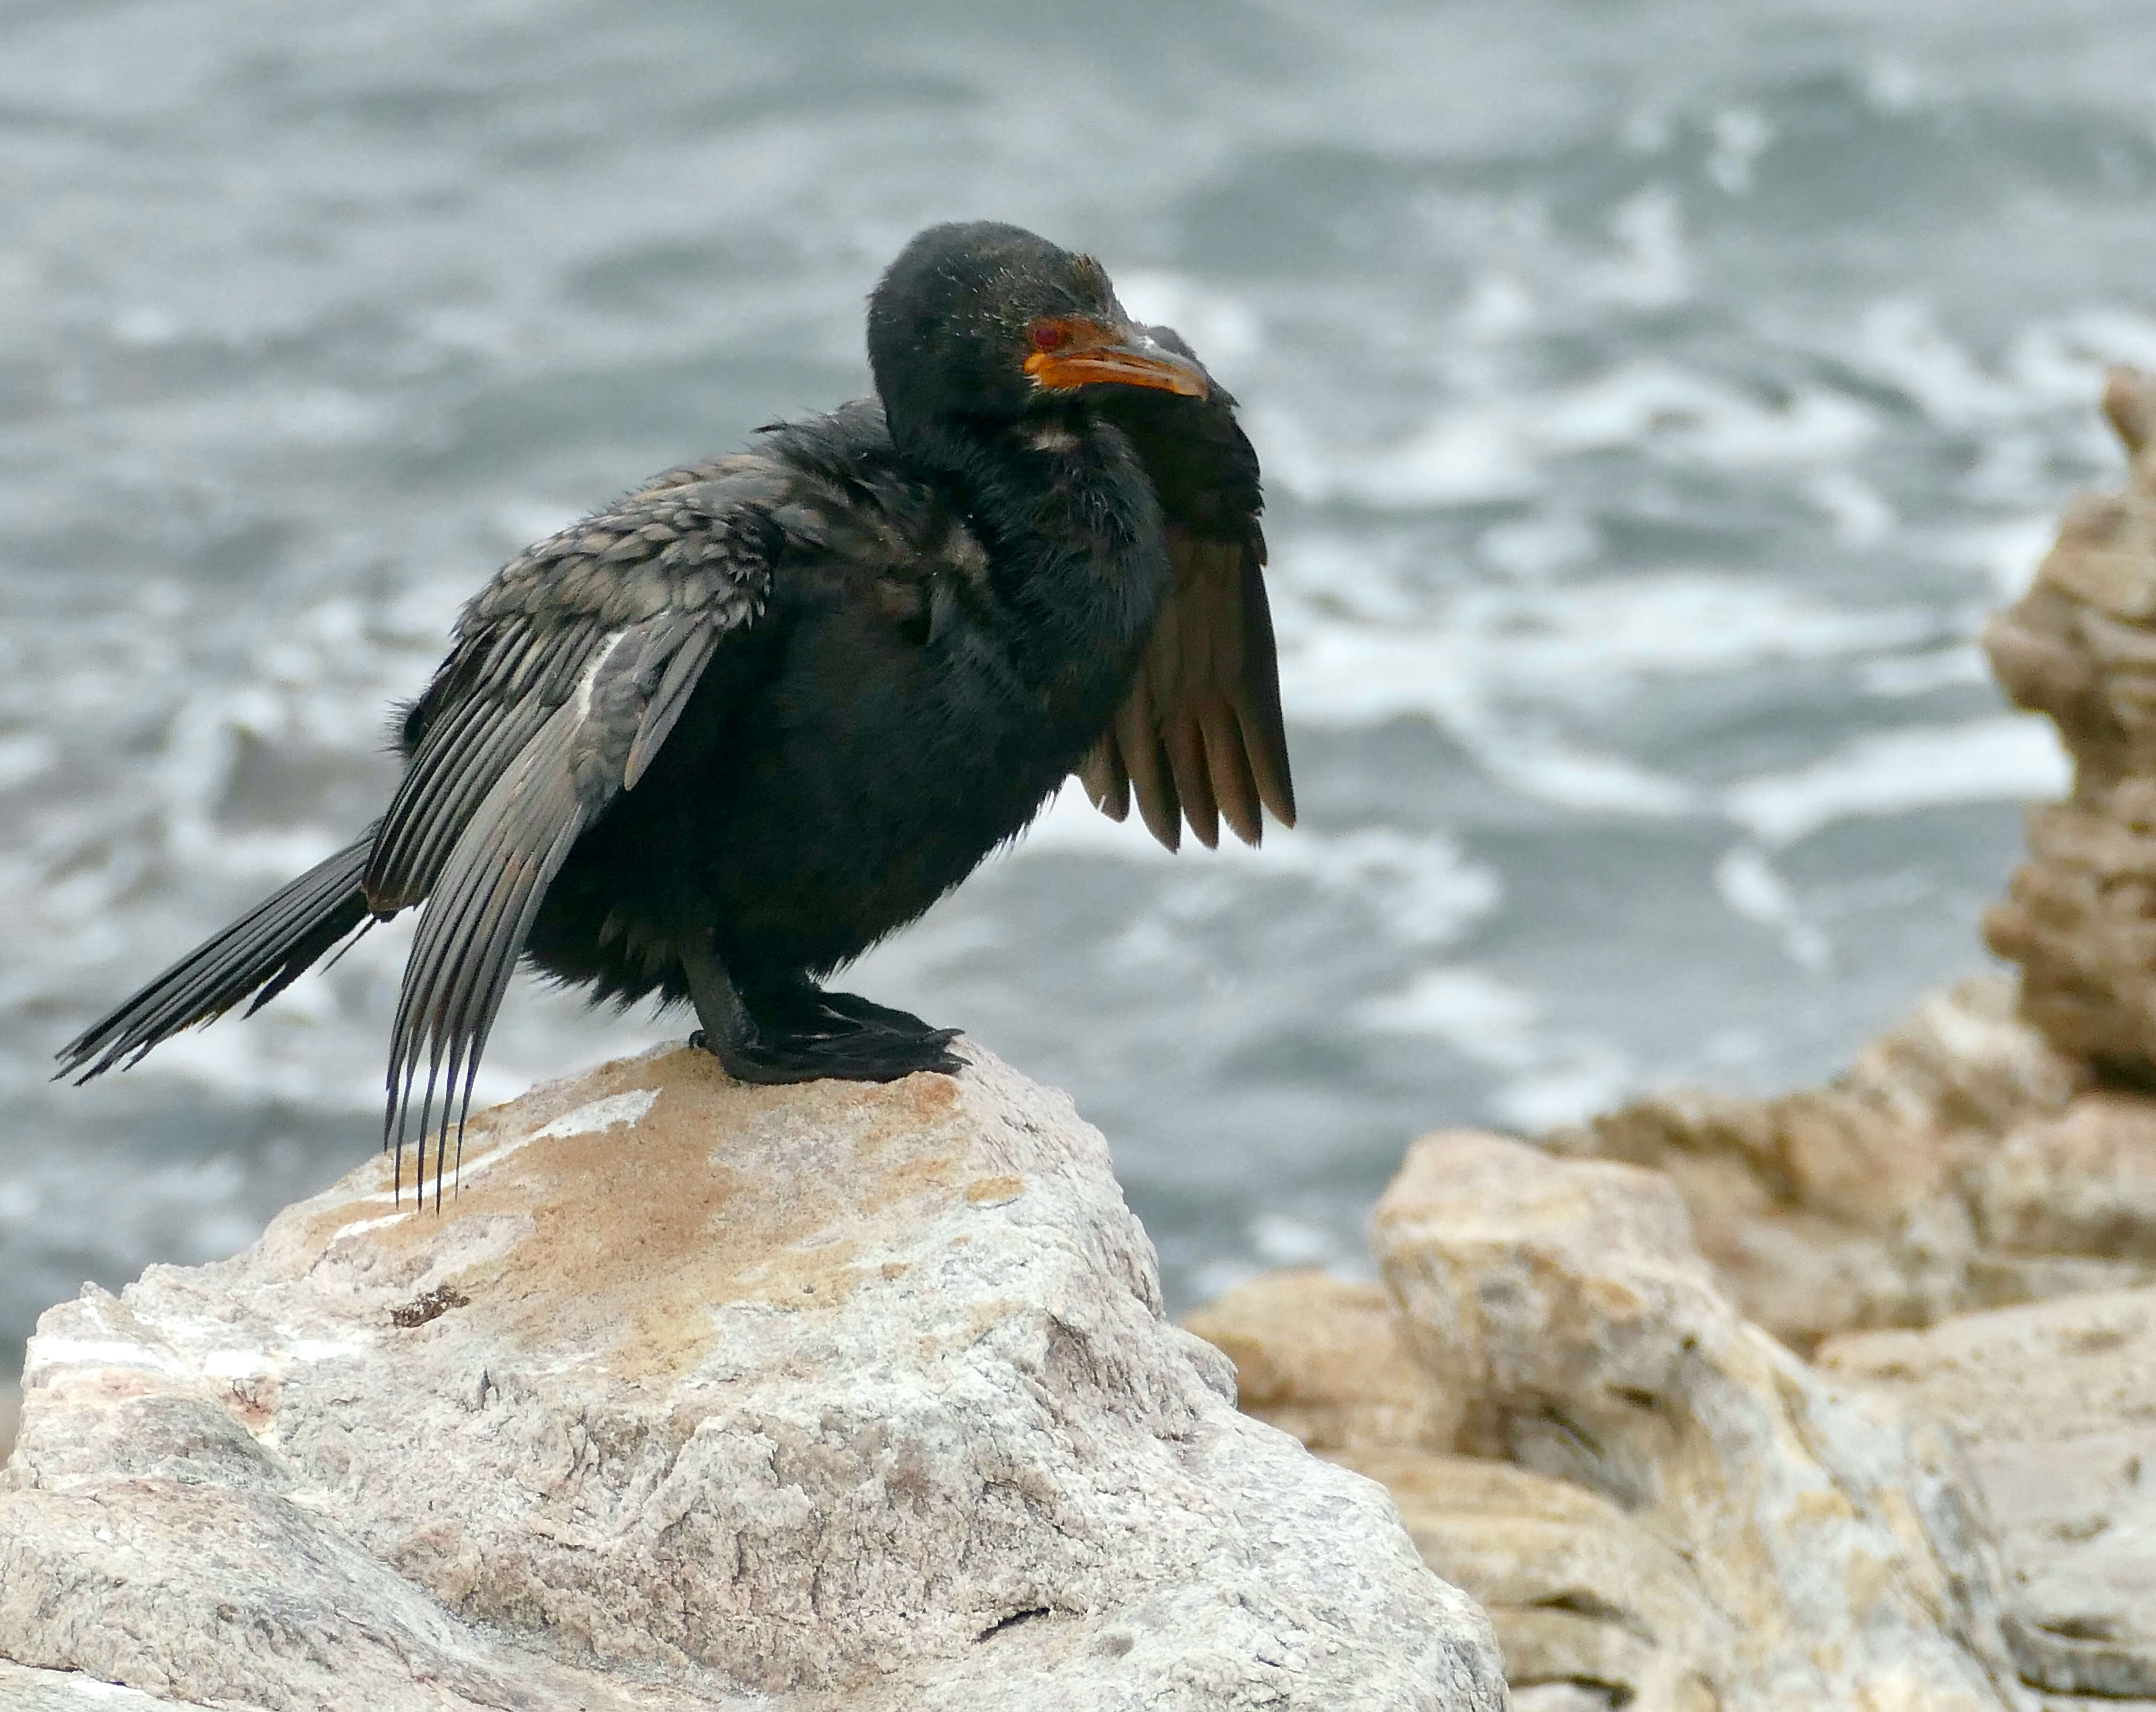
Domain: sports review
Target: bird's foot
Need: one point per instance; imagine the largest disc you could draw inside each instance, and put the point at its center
(854, 1008)
(862, 1053)
(798, 1034)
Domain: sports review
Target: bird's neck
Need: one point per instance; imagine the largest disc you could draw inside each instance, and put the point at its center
(1077, 563)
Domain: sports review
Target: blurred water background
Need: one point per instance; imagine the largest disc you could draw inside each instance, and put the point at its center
(1654, 395)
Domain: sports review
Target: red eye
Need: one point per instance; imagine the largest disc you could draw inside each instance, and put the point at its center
(1048, 335)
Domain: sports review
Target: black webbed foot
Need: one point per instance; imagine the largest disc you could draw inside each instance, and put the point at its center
(803, 1036)
(863, 1054)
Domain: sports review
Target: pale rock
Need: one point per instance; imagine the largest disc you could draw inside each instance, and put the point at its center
(1963, 1160)
(2082, 1183)
(1837, 1557)
(1590, 1608)
(1584, 1598)
(23, 1690)
(2080, 918)
(695, 1395)
(1325, 1359)
(1662, 1507)
(2057, 1402)
(1561, 1697)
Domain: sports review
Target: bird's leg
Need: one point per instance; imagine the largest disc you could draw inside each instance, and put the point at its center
(798, 1043)
(728, 1032)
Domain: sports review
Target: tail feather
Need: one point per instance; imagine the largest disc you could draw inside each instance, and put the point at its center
(259, 955)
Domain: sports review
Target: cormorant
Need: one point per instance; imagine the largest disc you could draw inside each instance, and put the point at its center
(718, 739)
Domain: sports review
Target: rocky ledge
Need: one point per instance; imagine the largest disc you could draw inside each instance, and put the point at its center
(1585, 1377)
(1662, 1508)
(1665, 1509)
(699, 1395)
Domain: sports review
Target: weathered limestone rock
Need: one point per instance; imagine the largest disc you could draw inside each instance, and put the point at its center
(2083, 1183)
(702, 1395)
(23, 1690)
(2081, 646)
(1963, 1162)
(1582, 1594)
(1661, 1506)
(1327, 1361)
(1565, 1299)
(2057, 1402)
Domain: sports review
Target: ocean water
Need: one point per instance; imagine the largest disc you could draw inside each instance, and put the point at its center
(1654, 395)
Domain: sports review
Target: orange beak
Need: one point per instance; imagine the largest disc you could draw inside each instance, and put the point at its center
(1119, 355)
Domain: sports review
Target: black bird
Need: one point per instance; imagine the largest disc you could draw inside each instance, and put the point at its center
(715, 740)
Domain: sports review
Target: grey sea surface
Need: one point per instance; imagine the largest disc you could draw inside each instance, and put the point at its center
(1655, 396)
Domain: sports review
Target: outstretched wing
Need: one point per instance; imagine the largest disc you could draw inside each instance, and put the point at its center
(568, 672)
(1200, 737)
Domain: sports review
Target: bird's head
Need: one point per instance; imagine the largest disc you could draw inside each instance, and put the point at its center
(987, 322)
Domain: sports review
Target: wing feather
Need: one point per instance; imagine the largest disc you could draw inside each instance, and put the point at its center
(463, 754)
(572, 670)
(1256, 698)
(488, 890)
(1185, 743)
(1105, 778)
(1136, 739)
(1229, 767)
(679, 677)
(259, 955)
(1199, 737)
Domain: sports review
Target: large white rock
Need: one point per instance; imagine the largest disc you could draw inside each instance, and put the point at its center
(699, 1394)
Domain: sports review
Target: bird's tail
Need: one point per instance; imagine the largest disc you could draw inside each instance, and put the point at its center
(260, 955)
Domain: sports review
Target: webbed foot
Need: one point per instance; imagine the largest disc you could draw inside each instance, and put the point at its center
(812, 1036)
(863, 1055)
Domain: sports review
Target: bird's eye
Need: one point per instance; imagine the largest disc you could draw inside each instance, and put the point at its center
(1048, 335)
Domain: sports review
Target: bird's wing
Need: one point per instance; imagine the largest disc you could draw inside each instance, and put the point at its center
(568, 672)
(1200, 737)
